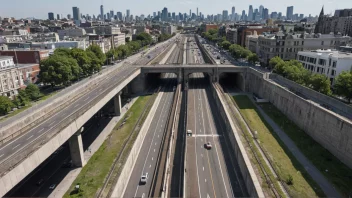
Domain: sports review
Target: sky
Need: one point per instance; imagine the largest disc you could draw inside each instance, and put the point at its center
(40, 8)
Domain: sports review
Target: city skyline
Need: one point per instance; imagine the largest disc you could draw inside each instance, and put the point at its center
(64, 7)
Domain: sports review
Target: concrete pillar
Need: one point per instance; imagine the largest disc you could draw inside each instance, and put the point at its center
(76, 150)
(179, 76)
(117, 104)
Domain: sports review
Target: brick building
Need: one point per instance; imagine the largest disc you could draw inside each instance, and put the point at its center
(25, 57)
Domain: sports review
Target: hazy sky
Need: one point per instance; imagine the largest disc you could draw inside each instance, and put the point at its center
(40, 8)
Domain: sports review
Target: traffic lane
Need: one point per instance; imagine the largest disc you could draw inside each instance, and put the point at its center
(151, 158)
(218, 169)
(146, 146)
(43, 128)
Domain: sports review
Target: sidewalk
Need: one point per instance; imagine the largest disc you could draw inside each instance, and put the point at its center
(317, 176)
(65, 184)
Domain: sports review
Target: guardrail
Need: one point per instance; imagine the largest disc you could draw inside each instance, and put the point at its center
(22, 154)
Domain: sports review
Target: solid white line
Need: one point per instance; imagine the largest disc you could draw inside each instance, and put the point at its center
(16, 146)
(195, 131)
(30, 137)
(40, 130)
(51, 123)
(86, 99)
(1, 155)
(76, 106)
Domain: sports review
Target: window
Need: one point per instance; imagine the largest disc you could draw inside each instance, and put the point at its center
(322, 42)
(318, 69)
(334, 64)
(329, 61)
(333, 72)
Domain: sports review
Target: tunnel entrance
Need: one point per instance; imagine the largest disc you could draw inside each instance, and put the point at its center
(232, 82)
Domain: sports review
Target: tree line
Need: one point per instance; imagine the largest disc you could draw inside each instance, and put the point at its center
(23, 98)
(236, 51)
(294, 70)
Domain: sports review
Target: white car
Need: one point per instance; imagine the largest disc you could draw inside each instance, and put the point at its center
(52, 186)
(144, 178)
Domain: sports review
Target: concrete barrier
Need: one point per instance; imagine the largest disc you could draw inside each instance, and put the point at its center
(126, 172)
(14, 173)
(329, 129)
(252, 183)
(20, 123)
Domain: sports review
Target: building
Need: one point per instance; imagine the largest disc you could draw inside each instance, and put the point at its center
(207, 27)
(58, 17)
(341, 22)
(250, 13)
(225, 15)
(51, 16)
(327, 62)
(252, 43)
(139, 28)
(168, 29)
(102, 13)
(245, 30)
(76, 15)
(72, 32)
(26, 56)
(289, 13)
(287, 45)
(101, 30)
(231, 35)
(11, 78)
(233, 14)
(266, 13)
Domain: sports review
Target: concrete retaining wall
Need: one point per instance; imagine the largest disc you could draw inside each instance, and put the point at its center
(126, 172)
(331, 130)
(18, 124)
(250, 178)
(20, 171)
(332, 102)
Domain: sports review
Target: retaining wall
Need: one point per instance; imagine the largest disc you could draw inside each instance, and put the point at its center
(250, 178)
(329, 129)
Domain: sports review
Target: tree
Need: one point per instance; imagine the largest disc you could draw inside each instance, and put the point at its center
(58, 70)
(145, 38)
(320, 83)
(274, 61)
(5, 105)
(33, 92)
(98, 53)
(253, 58)
(127, 39)
(280, 67)
(82, 59)
(123, 51)
(225, 44)
(22, 99)
(134, 46)
(62, 51)
(343, 85)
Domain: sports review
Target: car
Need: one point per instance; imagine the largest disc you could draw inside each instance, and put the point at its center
(144, 178)
(207, 145)
(218, 57)
(189, 132)
(52, 186)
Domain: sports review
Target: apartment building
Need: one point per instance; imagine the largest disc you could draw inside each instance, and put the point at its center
(327, 62)
(72, 32)
(11, 79)
(287, 45)
(231, 35)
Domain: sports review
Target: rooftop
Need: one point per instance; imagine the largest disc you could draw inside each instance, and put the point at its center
(5, 57)
(328, 52)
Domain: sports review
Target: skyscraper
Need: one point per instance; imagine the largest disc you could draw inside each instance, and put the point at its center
(243, 17)
(68, 16)
(119, 15)
(261, 8)
(128, 13)
(190, 13)
(154, 14)
(111, 14)
(51, 16)
(102, 12)
(289, 13)
(225, 15)
(76, 14)
(197, 12)
(233, 13)
(266, 13)
(250, 13)
(164, 14)
(58, 17)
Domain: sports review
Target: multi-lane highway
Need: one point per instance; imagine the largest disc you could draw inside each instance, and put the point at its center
(43, 131)
(147, 158)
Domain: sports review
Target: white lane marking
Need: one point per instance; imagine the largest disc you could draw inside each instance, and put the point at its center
(152, 158)
(76, 106)
(158, 135)
(150, 166)
(1, 155)
(203, 168)
(40, 130)
(30, 137)
(155, 143)
(205, 180)
(201, 155)
(86, 99)
(16, 146)
(51, 123)
(154, 150)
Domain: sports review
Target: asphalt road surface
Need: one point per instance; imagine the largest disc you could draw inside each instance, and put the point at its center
(43, 131)
(147, 157)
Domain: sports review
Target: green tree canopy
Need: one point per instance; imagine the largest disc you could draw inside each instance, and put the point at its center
(225, 44)
(98, 53)
(22, 99)
(62, 51)
(58, 70)
(145, 38)
(343, 85)
(5, 105)
(83, 60)
(320, 83)
(253, 58)
(33, 92)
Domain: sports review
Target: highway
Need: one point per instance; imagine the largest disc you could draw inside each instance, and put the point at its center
(43, 132)
(147, 158)
(209, 173)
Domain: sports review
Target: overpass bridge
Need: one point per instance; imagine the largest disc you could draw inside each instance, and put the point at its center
(20, 156)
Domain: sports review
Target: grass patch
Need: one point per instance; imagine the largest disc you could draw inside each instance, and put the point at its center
(92, 176)
(285, 164)
(338, 173)
(15, 112)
